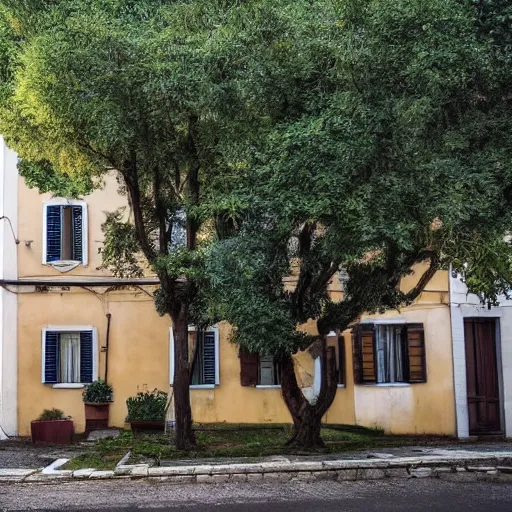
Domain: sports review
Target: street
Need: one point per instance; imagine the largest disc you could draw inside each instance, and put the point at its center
(382, 496)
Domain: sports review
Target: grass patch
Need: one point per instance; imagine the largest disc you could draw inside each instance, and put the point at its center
(225, 440)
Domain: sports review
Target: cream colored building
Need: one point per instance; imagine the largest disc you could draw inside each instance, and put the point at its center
(70, 327)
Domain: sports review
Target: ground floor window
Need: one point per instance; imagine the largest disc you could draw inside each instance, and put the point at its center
(68, 356)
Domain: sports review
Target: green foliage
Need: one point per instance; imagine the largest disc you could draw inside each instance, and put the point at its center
(147, 405)
(121, 248)
(98, 392)
(52, 414)
(45, 178)
(383, 140)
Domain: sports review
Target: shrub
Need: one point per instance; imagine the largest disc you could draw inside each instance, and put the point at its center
(147, 405)
(51, 414)
(98, 392)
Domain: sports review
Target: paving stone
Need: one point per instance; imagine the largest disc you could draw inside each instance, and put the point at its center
(40, 477)
(83, 473)
(481, 468)
(124, 469)
(246, 468)
(397, 473)
(96, 435)
(346, 475)
(255, 477)
(420, 472)
(139, 471)
(13, 472)
(324, 475)
(203, 470)
(220, 479)
(176, 479)
(101, 475)
(370, 474)
(302, 476)
(204, 479)
(277, 477)
(238, 477)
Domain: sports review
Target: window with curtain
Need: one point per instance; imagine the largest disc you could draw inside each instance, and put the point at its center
(67, 357)
(390, 344)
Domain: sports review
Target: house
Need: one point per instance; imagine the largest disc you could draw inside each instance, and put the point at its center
(72, 322)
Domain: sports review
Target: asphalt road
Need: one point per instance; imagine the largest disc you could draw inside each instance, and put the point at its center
(144, 496)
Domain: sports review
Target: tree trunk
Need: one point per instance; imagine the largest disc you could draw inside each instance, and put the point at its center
(307, 418)
(185, 438)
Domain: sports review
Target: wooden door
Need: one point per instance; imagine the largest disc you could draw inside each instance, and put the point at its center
(482, 376)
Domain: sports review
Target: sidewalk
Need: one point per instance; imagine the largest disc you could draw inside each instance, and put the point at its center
(457, 463)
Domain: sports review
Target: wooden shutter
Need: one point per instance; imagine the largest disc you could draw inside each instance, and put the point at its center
(249, 365)
(416, 353)
(86, 357)
(53, 233)
(208, 358)
(51, 358)
(341, 360)
(77, 248)
(364, 354)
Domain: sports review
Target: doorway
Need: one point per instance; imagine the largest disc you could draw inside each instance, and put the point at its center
(482, 376)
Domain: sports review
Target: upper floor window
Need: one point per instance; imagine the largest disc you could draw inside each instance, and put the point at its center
(68, 355)
(65, 234)
(389, 353)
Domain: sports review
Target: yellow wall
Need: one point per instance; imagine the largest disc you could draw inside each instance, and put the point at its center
(139, 347)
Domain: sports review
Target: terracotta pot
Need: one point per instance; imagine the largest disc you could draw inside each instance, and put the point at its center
(52, 431)
(146, 426)
(96, 415)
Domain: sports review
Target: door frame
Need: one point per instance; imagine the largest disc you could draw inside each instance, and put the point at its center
(498, 363)
(460, 312)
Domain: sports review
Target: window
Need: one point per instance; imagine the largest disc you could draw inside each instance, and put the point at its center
(68, 355)
(389, 353)
(204, 347)
(203, 368)
(65, 234)
(256, 370)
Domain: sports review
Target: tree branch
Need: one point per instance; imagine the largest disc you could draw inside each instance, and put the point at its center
(131, 179)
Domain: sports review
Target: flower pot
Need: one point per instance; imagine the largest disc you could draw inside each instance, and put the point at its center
(52, 431)
(96, 415)
(146, 426)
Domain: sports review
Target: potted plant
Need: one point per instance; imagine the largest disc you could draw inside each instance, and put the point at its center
(52, 427)
(146, 410)
(97, 397)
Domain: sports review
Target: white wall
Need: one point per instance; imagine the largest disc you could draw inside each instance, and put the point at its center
(8, 300)
(466, 305)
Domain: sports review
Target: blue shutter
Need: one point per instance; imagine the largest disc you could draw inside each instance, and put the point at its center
(51, 357)
(77, 233)
(53, 233)
(86, 357)
(209, 358)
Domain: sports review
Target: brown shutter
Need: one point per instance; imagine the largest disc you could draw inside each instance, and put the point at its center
(341, 359)
(249, 363)
(364, 354)
(416, 353)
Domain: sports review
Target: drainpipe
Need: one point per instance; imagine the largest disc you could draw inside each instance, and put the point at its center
(109, 316)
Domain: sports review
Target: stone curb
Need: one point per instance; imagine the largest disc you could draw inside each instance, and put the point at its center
(460, 466)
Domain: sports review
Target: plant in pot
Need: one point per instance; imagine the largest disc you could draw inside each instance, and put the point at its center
(52, 427)
(146, 410)
(97, 398)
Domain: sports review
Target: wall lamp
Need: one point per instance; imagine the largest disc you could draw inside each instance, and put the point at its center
(12, 230)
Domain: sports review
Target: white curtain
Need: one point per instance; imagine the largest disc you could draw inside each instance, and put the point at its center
(390, 364)
(70, 357)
